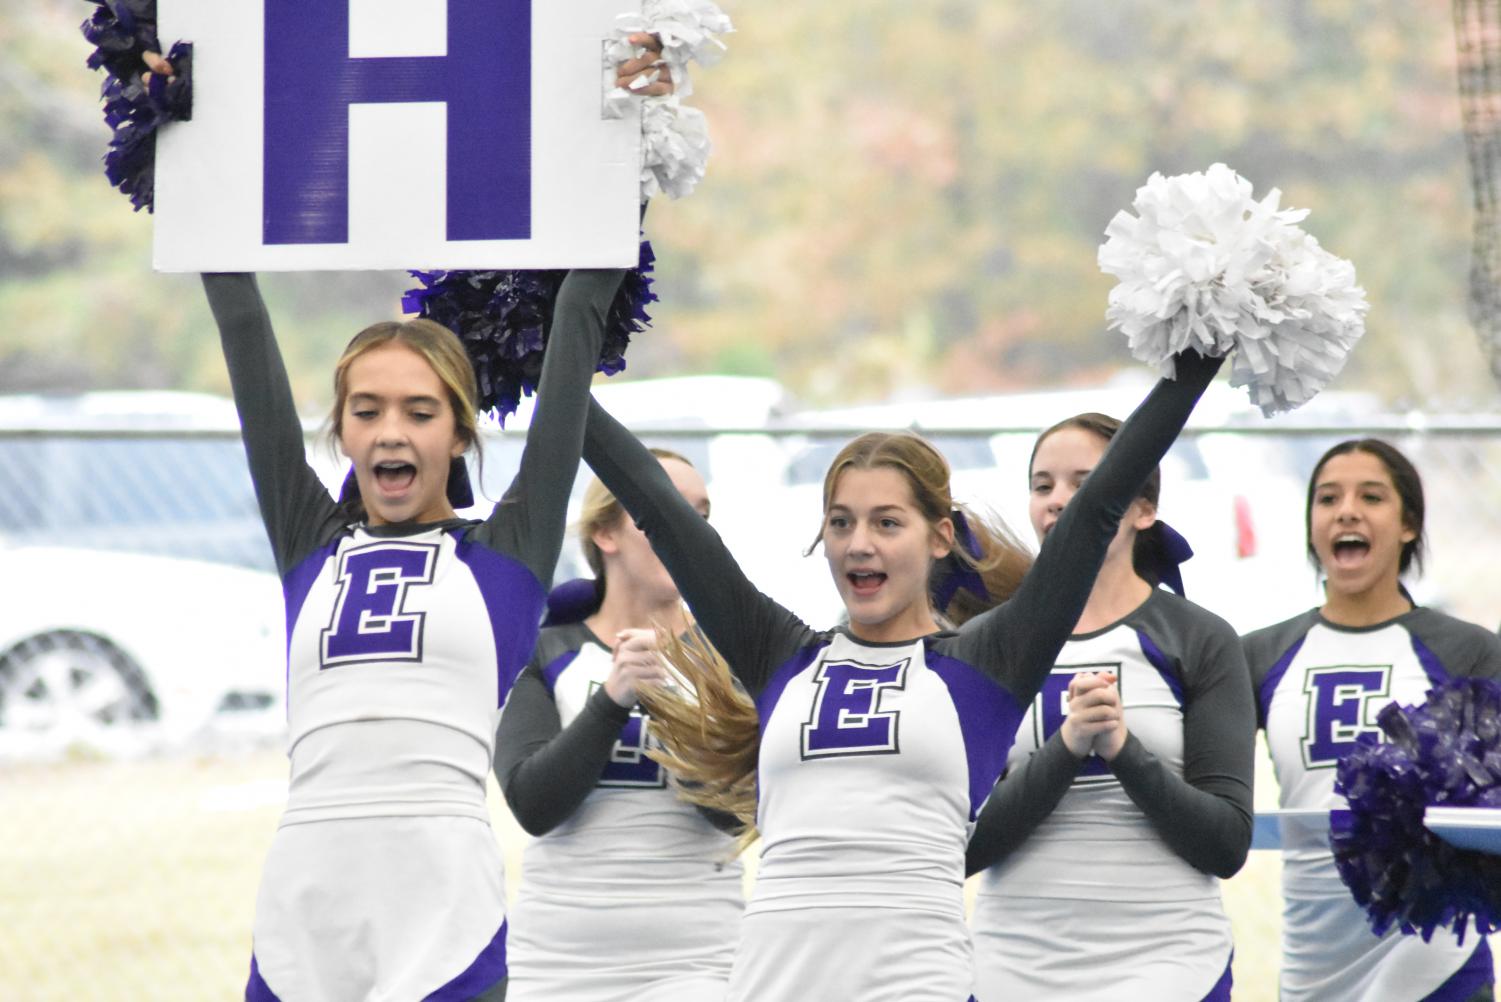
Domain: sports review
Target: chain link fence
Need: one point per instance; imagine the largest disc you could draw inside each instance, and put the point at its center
(141, 768)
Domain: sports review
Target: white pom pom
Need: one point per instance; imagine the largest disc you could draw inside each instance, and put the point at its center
(1203, 265)
(674, 138)
(674, 147)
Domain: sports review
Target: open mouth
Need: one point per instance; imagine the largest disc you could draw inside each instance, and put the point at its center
(1350, 548)
(393, 477)
(865, 582)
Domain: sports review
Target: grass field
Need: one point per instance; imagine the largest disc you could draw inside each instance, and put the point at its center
(136, 880)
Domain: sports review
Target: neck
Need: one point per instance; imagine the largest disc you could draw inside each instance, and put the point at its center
(898, 629)
(1118, 590)
(629, 608)
(1375, 605)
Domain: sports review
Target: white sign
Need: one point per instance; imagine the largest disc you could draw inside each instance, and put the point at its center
(349, 134)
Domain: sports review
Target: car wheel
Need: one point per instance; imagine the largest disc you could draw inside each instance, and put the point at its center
(66, 687)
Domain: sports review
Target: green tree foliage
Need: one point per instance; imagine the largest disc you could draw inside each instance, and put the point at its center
(902, 195)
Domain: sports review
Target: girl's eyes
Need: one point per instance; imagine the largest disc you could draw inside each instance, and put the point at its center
(890, 523)
(838, 522)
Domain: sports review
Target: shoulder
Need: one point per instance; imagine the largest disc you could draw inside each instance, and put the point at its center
(557, 642)
(1463, 648)
(1173, 621)
(1265, 646)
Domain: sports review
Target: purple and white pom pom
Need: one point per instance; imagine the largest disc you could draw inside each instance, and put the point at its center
(1446, 752)
(503, 319)
(122, 31)
(1203, 265)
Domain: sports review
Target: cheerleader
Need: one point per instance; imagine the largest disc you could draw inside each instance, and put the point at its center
(405, 629)
(878, 741)
(1128, 789)
(629, 892)
(1320, 679)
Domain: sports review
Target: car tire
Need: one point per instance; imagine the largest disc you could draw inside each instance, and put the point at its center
(72, 687)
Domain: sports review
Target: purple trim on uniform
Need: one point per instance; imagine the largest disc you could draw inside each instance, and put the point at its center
(1478, 972)
(1163, 664)
(1432, 666)
(988, 719)
(1221, 990)
(256, 989)
(1274, 678)
(514, 599)
(767, 700)
(555, 668)
(487, 971)
(294, 590)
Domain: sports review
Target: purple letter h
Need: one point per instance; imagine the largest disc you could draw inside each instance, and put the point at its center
(311, 81)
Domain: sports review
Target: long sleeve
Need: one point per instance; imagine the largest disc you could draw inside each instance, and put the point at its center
(1020, 802)
(753, 633)
(546, 770)
(1205, 816)
(1017, 642)
(298, 512)
(530, 520)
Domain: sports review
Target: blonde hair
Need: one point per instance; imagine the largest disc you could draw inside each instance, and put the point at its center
(710, 733)
(1002, 561)
(602, 510)
(440, 348)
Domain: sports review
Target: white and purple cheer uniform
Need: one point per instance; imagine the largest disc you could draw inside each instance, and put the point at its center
(384, 880)
(627, 893)
(1103, 879)
(1319, 686)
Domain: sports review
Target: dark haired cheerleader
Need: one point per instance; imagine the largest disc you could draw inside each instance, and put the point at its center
(1128, 791)
(1320, 680)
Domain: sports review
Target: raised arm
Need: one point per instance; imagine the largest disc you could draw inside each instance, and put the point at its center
(529, 522)
(298, 512)
(754, 634)
(1017, 642)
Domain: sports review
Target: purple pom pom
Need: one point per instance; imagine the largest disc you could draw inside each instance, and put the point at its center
(121, 31)
(1446, 752)
(503, 317)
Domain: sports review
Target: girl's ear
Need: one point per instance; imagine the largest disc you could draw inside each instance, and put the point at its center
(942, 539)
(1143, 514)
(605, 540)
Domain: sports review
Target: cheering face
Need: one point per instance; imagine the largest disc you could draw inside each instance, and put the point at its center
(629, 560)
(399, 431)
(1063, 460)
(880, 549)
(1357, 526)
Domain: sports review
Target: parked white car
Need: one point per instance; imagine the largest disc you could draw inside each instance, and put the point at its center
(121, 653)
(137, 605)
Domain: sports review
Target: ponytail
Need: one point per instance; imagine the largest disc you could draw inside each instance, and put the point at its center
(710, 732)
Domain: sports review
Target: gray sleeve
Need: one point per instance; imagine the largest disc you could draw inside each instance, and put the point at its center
(1020, 802)
(752, 632)
(1205, 816)
(530, 519)
(1464, 649)
(1017, 642)
(545, 769)
(1264, 648)
(298, 512)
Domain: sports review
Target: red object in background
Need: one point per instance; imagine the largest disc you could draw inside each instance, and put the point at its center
(1245, 529)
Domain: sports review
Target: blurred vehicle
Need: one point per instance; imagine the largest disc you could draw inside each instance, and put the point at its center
(140, 610)
(120, 653)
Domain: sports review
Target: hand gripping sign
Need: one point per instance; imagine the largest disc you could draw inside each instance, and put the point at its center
(346, 134)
